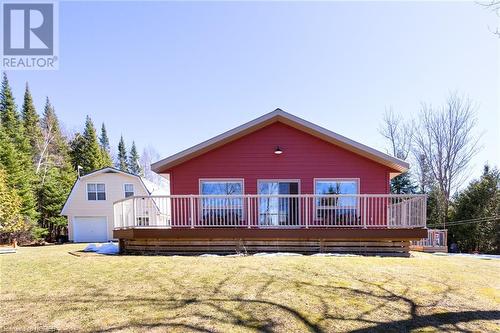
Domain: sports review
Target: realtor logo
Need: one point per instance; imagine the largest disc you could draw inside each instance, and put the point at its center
(29, 36)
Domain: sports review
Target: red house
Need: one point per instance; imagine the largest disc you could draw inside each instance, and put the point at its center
(276, 183)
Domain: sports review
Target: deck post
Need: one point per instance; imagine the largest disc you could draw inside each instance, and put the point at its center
(249, 210)
(191, 204)
(134, 220)
(424, 213)
(306, 213)
(122, 220)
(364, 211)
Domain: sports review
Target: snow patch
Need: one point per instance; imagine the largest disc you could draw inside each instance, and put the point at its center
(278, 254)
(468, 255)
(334, 255)
(91, 248)
(108, 248)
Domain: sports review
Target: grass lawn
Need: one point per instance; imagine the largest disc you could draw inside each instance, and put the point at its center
(46, 289)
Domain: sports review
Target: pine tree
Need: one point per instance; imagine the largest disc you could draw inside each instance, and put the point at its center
(52, 195)
(31, 124)
(11, 221)
(105, 147)
(122, 156)
(8, 111)
(134, 165)
(56, 174)
(403, 184)
(479, 200)
(9, 161)
(23, 176)
(88, 154)
(76, 150)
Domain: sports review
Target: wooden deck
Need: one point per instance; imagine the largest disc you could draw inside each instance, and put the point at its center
(185, 241)
(305, 223)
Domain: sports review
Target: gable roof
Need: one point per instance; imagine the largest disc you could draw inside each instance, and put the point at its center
(108, 170)
(97, 172)
(279, 115)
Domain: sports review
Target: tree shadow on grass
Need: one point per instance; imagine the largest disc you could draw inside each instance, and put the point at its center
(219, 307)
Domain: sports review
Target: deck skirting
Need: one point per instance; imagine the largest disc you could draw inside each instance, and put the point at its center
(388, 242)
(241, 246)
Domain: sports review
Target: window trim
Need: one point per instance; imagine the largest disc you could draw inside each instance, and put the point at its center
(227, 180)
(357, 180)
(315, 180)
(96, 192)
(125, 190)
(279, 180)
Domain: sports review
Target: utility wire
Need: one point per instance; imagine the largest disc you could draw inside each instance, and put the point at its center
(476, 220)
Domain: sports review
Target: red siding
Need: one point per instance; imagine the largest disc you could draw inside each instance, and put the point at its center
(304, 157)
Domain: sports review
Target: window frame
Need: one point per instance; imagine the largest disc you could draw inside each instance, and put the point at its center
(96, 192)
(221, 180)
(339, 180)
(125, 190)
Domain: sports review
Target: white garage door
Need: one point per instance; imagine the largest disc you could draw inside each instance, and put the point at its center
(90, 229)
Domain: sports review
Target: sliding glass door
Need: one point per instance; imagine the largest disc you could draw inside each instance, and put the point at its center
(277, 208)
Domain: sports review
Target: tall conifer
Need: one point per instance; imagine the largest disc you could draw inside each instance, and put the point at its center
(105, 147)
(14, 137)
(31, 124)
(90, 153)
(56, 176)
(134, 165)
(122, 162)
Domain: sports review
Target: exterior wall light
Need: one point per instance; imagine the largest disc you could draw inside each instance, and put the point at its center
(278, 150)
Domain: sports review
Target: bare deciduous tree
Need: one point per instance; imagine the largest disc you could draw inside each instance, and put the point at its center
(445, 139)
(399, 134)
(422, 173)
(148, 156)
(494, 6)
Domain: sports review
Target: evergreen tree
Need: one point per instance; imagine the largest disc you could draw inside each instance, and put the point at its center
(31, 124)
(11, 220)
(134, 165)
(22, 176)
(8, 112)
(86, 151)
(52, 195)
(9, 161)
(56, 174)
(76, 150)
(122, 156)
(481, 199)
(403, 184)
(105, 147)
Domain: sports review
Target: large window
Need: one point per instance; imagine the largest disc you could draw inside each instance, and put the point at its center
(333, 209)
(223, 204)
(96, 191)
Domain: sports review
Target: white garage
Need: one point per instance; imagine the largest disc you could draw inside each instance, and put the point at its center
(89, 206)
(90, 229)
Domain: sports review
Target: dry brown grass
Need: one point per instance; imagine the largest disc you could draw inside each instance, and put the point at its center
(48, 290)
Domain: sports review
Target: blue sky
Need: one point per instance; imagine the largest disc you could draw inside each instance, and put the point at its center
(171, 74)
